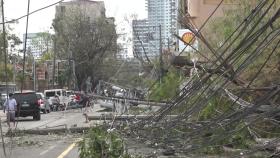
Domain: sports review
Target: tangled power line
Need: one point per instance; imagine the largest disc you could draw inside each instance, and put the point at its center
(256, 36)
(236, 54)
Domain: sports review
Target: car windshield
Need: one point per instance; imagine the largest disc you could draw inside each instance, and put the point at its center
(39, 96)
(21, 97)
(50, 94)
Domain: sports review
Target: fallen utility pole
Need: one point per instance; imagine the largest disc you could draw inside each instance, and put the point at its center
(134, 101)
(51, 131)
(123, 117)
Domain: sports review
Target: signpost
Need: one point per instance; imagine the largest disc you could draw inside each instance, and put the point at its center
(189, 38)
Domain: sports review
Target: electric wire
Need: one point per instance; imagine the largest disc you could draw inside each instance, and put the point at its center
(35, 11)
(264, 64)
(260, 6)
(193, 38)
(276, 35)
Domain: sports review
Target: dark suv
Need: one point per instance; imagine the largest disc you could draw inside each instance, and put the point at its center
(27, 104)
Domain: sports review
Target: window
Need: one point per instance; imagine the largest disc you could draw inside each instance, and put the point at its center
(58, 93)
(63, 93)
(62, 8)
(50, 94)
(25, 97)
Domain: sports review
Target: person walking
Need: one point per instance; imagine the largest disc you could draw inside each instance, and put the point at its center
(10, 106)
(56, 102)
(85, 104)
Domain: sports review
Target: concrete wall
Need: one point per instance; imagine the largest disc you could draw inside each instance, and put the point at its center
(200, 10)
(29, 85)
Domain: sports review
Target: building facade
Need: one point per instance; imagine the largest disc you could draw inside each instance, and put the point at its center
(90, 9)
(140, 38)
(199, 10)
(162, 15)
(1, 29)
(37, 43)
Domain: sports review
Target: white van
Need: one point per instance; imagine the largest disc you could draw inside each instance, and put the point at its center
(61, 93)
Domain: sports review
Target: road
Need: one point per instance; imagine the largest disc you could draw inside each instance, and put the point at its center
(46, 146)
(43, 147)
(53, 145)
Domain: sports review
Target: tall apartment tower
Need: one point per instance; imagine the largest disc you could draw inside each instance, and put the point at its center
(140, 39)
(162, 13)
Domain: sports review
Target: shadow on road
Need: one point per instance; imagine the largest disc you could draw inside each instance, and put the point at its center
(26, 120)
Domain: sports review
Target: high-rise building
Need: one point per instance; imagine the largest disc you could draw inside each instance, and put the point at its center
(162, 13)
(140, 32)
(37, 43)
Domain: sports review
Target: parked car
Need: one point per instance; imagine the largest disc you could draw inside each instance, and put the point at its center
(44, 104)
(27, 104)
(2, 100)
(61, 93)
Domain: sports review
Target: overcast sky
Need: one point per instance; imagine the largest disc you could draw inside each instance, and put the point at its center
(42, 20)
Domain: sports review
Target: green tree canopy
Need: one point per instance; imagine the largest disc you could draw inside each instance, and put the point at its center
(86, 40)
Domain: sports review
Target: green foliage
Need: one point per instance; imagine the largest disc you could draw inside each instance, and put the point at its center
(62, 77)
(9, 72)
(219, 29)
(168, 88)
(92, 41)
(242, 138)
(98, 143)
(266, 129)
(217, 103)
(135, 110)
(14, 41)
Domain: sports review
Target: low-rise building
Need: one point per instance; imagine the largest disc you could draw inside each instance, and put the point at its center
(200, 10)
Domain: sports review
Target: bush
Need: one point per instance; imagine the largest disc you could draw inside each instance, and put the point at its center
(98, 143)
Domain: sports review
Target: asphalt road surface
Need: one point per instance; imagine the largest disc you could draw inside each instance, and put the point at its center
(69, 118)
(50, 146)
(45, 146)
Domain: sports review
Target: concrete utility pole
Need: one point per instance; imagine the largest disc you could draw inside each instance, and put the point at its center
(6, 80)
(160, 54)
(34, 74)
(54, 58)
(74, 75)
(14, 69)
(73, 65)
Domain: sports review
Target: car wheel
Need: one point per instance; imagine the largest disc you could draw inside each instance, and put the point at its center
(37, 116)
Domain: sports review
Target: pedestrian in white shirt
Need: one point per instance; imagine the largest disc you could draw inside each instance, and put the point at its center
(10, 106)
